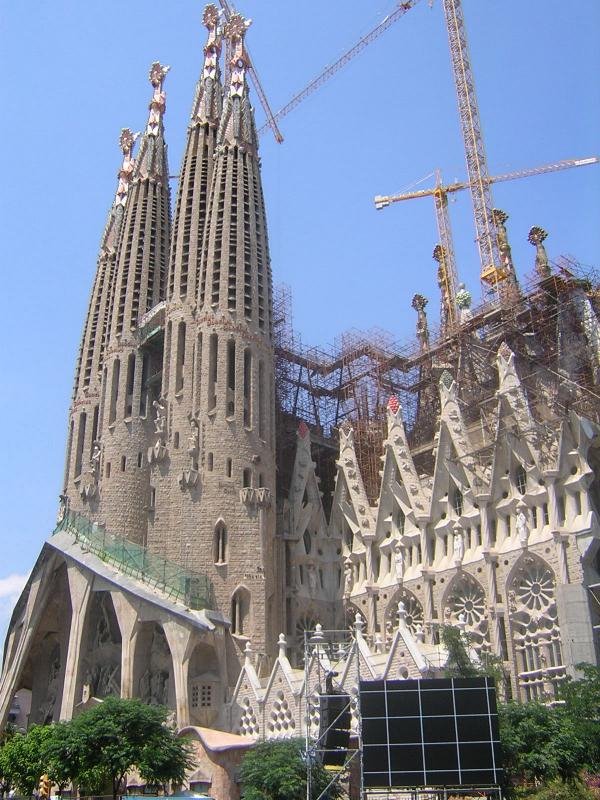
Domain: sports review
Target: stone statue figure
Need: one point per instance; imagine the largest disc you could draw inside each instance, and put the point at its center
(347, 577)
(312, 579)
(193, 438)
(522, 527)
(458, 546)
(160, 416)
(399, 562)
(95, 459)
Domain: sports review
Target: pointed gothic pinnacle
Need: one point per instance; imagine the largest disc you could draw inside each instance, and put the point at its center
(235, 31)
(158, 102)
(537, 237)
(126, 142)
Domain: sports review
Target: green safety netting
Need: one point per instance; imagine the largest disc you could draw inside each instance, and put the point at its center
(135, 560)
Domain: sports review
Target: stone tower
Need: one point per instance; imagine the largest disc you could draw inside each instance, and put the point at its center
(82, 467)
(213, 471)
(139, 286)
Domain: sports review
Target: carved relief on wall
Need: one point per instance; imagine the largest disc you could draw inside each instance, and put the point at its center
(102, 664)
(47, 708)
(154, 683)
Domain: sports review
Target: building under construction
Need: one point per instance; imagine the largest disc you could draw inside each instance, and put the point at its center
(227, 488)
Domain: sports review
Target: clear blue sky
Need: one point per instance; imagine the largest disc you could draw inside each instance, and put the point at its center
(75, 73)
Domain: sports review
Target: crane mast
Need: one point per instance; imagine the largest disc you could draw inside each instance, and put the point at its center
(492, 271)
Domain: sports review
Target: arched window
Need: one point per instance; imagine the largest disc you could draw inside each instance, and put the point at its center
(240, 611)
(307, 542)
(220, 543)
(521, 479)
(457, 501)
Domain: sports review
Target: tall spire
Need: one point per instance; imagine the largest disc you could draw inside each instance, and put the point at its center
(208, 100)
(142, 259)
(216, 492)
(196, 169)
(237, 122)
(84, 415)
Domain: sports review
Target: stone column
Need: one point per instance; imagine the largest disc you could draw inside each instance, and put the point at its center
(80, 586)
(181, 643)
(127, 618)
(485, 525)
(560, 540)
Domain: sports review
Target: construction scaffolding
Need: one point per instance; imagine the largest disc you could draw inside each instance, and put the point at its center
(551, 326)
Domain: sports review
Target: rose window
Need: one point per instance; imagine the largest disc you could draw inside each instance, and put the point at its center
(413, 611)
(534, 587)
(467, 600)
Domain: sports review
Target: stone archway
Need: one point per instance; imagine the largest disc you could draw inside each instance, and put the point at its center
(534, 626)
(153, 666)
(100, 662)
(205, 688)
(44, 671)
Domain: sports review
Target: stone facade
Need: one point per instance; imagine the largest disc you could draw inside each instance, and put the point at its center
(488, 522)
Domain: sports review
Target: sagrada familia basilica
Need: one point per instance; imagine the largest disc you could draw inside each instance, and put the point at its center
(226, 489)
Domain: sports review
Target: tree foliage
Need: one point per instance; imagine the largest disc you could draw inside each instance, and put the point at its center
(277, 771)
(581, 699)
(97, 748)
(116, 736)
(541, 743)
(23, 759)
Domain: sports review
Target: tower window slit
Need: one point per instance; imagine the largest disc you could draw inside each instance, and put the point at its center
(128, 408)
(261, 400)
(230, 378)
(114, 391)
(80, 443)
(94, 428)
(212, 371)
(144, 388)
(180, 357)
(247, 387)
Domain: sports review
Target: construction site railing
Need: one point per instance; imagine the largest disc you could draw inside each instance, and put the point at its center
(182, 585)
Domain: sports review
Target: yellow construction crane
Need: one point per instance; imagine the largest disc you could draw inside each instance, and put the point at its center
(330, 70)
(440, 195)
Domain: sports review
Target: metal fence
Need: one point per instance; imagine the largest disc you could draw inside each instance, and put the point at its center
(183, 585)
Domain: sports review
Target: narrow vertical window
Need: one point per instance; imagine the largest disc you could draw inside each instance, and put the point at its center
(144, 388)
(220, 543)
(114, 391)
(230, 378)
(247, 387)
(246, 478)
(212, 371)
(128, 408)
(228, 468)
(80, 443)
(261, 400)
(180, 357)
(209, 462)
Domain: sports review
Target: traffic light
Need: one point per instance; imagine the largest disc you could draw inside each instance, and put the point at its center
(334, 728)
(44, 787)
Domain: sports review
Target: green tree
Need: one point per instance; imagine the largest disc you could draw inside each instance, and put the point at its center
(277, 771)
(541, 743)
(22, 758)
(104, 743)
(581, 699)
